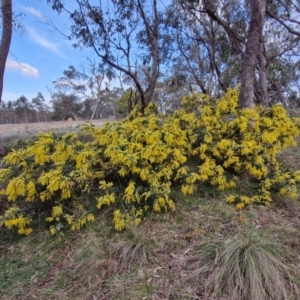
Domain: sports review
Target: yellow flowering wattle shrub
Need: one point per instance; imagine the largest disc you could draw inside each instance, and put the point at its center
(233, 143)
(133, 165)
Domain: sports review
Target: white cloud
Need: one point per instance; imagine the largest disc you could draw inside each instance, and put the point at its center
(32, 11)
(62, 82)
(44, 42)
(26, 69)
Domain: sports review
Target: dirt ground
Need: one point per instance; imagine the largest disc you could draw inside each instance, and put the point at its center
(30, 129)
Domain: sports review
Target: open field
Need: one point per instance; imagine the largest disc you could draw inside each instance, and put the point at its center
(28, 130)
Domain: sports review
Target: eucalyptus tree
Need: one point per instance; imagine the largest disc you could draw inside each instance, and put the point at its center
(41, 108)
(126, 35)
(65, 106)
(124, 103)
(87, 84)
(7, 112)
(194, 48)
(256, 43)
(23, 110)
(175, 83)
(253, 52)
(7, 25)
(242, 26)
(3, 112)
(210, 57)
(286, 13)
(283, 49)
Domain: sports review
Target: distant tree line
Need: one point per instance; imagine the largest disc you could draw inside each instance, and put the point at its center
(23, 110)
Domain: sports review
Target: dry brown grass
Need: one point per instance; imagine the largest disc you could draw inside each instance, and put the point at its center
(248, 268)
(28, 130)
(132, 249)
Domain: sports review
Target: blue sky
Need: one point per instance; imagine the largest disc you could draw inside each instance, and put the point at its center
(38, 55)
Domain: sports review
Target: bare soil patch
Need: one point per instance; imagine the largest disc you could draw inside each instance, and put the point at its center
(30, 129)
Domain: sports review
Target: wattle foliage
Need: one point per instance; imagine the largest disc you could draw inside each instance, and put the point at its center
(134, 164)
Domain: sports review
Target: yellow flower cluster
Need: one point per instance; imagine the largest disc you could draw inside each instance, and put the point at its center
(125, 220)
(245, 141)
(53, 169)
(14, 218)
(83, 220)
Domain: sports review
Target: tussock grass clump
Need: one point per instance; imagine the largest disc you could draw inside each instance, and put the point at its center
(240, 267)
(132, 249)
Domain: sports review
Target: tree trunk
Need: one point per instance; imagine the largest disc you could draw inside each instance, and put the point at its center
(277, 87)
(6, 9)
(95, 108)
(2, 150)
(258, 9)
(262, 76)
(37, 117)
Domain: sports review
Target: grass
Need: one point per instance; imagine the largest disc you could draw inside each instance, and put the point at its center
(133, 249)
(204, 250)
(163, 258)
(242, 267)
